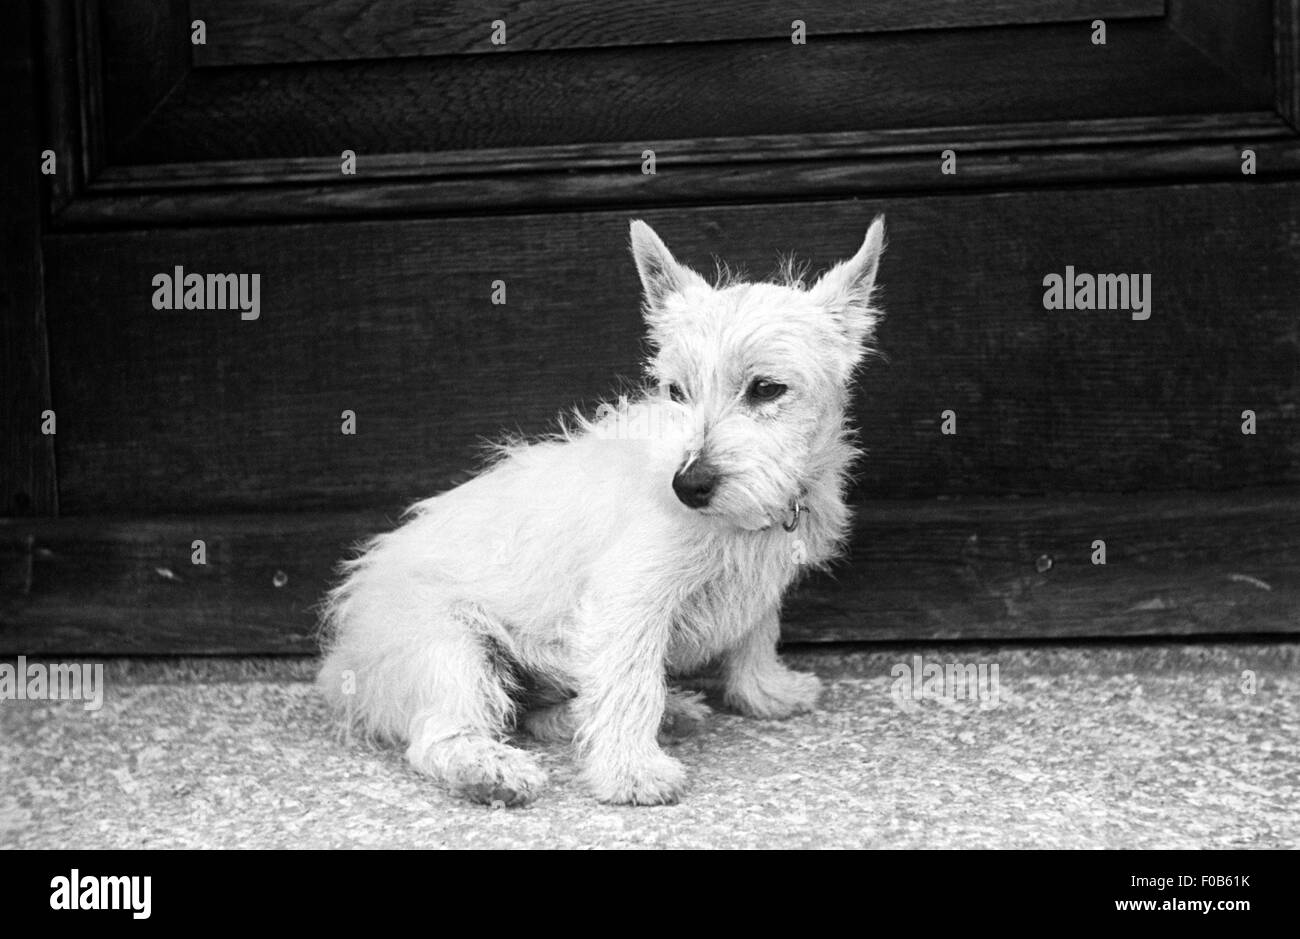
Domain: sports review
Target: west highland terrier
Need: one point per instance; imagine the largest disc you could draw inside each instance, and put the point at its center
(562, 587)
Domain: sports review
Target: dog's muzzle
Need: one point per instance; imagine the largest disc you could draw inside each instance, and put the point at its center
(695, 483)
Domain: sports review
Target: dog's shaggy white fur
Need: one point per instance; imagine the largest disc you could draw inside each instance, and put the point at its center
(563, 586)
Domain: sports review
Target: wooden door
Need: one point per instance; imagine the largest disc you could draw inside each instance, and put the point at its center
(1002, 139)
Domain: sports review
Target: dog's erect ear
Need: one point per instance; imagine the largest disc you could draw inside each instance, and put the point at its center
(660, 272)
(845, 290)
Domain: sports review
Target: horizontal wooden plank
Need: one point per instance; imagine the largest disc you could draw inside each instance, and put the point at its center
(1176, 565)
(1190, 564)
(164, 411)
(255, 32)
(747, 169)
(665, 92)
(1170, 131)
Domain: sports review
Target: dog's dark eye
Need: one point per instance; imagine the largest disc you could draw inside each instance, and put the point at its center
(764, 390)
(675, 392)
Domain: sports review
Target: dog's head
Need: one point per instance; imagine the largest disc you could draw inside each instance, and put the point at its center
(759, 372)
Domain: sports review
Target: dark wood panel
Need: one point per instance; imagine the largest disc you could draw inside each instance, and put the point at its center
(27, 480)
(148, 54)
(717, 171)
(663, 93)
(1176, 565)
(256, 32)
(168, 411)
(130, 586)
(1286, 31)
(1238, 37)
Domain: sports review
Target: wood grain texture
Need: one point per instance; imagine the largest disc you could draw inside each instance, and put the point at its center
(199, 411)
(148, 42)
(656, 94)
(27, 478)
(1175, 565)
(62, 102)
(1171, 131)
(690, 172)
(88, 57)
(1190, 565)
(1286, 52)
(1237, 37)
(255, 32)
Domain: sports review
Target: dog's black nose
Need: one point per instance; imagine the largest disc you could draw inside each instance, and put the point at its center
(694, 485)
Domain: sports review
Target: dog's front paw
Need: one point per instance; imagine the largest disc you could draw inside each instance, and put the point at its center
(658, 780)
(776, 695)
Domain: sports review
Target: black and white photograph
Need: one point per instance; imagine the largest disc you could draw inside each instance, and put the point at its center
(771, 425)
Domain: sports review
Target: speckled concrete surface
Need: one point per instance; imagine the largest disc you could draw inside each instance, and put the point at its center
(1127, 746)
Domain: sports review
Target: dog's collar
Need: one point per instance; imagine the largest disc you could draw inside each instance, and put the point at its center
(797, 508)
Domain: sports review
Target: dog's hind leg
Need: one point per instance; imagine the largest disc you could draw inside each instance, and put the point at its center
(436, 677)
(553, 723)
(476, 766)
(684, 714)
(455, 734)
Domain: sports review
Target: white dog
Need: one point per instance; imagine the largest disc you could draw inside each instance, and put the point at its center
(569, 580)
